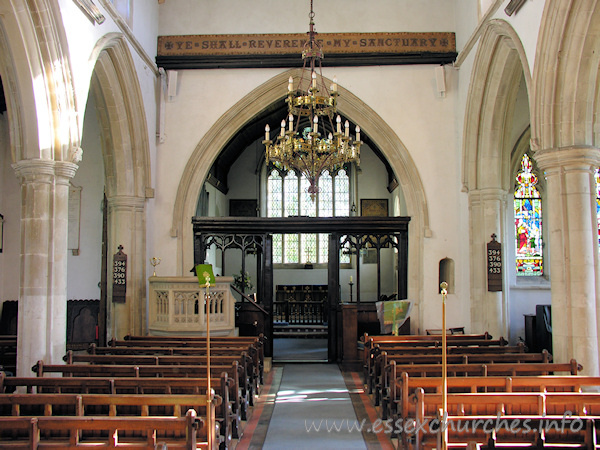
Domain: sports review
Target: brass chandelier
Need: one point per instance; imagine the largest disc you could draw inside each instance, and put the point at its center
(310, 143)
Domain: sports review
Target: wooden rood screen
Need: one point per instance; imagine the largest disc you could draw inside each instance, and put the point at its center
(254, 235)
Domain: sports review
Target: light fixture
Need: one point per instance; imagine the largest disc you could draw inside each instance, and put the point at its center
(309, 142)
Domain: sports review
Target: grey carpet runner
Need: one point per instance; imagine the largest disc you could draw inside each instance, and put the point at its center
(313, 411)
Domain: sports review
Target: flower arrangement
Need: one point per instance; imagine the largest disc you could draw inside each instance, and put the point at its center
(242, 281)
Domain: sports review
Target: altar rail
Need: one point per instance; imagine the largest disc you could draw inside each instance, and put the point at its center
(177, 307)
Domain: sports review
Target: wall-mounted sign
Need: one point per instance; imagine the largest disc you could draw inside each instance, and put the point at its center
(284, 50)
(494, 265)
(119, 276)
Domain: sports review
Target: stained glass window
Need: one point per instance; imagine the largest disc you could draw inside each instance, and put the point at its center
(528, 221)
(288, 196)
(597, 176)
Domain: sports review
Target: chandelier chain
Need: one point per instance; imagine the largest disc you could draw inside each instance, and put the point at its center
(309, 141)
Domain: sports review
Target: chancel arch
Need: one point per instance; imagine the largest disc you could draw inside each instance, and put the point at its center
(351, 107)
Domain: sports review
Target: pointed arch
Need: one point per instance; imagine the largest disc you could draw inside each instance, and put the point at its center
(499, 64)
(351, 107)
(40, 82)
(125, 148)
(566, 97)
(499, 68)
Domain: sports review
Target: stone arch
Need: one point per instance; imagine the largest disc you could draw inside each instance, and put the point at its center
(565, 124)
(53, 134)
(350, 106)
(13, 102)
(126, 158)
(566, 97)
(114, 83)
(500, 64)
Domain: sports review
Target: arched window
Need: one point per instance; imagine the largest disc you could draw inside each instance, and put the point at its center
(287, 196)
(528, 222)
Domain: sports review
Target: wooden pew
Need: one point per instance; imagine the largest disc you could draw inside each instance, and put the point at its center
(248, 364)
(8, 353)
(370, 341)
(251, 339)
(397, 404)
(240, 382)
(558, 432)
(228, 413)
(499, 369)
(481, 370)
(372, 351)
(252, 345)
(371, 356)
(504, 406)
(381, 377)
(249, 376)
(33, 432)
(425, 337)
(120, 405)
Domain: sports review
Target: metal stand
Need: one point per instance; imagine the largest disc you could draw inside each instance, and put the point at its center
(444, 287)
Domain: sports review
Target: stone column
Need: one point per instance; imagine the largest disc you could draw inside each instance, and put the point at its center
(42, 315)
(573, 236)
(489, 311)
(127, 227)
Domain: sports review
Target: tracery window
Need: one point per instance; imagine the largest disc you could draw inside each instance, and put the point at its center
(287, 196)
(528, 221)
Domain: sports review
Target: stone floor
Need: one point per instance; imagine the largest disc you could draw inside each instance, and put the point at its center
(299, 350)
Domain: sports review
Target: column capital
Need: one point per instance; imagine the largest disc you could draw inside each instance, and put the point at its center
(487, 194)
(125, 202)
(576, 157)
(31, 168)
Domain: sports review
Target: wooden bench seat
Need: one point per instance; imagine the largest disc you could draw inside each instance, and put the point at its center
(550, 432)
(121, 405)
(228, 413)
(396, 401)
(468, 371)
(237, 375)
(133, 337)
(253, 347)
(381, 376)
(503, 405)
(36, 432)
(371, 356)
(425, 337)
(249, 378)
(374, 347)
(8, 353)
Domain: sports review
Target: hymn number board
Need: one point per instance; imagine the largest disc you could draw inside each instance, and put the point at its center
(119, 276)
(494, 265)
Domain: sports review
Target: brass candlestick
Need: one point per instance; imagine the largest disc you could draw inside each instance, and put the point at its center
(208, 373)
(206, 277)
(155, 262)
(444, 288)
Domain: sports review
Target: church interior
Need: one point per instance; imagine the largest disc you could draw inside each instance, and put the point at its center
(320, 210)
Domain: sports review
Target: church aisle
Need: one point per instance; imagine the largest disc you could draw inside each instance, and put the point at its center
(297, 397)
(312, 399)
